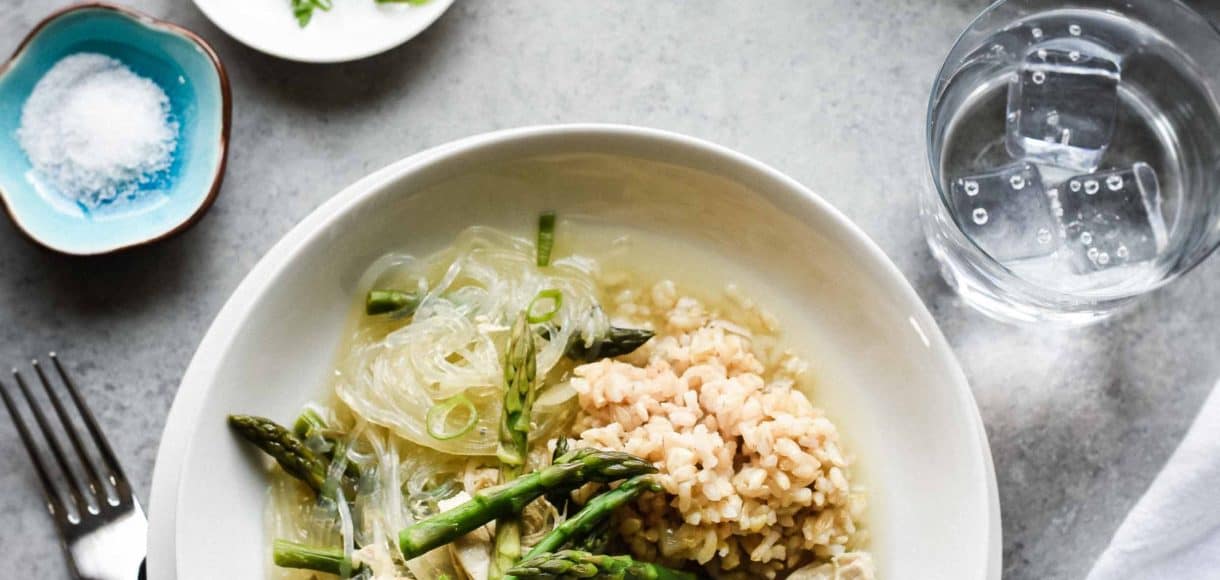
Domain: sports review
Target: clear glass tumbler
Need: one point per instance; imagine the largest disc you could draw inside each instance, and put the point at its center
(1074, 155)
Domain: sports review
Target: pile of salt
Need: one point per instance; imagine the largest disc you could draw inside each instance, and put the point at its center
(96, 131)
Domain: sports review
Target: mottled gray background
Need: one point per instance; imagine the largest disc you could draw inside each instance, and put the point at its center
(831, 92)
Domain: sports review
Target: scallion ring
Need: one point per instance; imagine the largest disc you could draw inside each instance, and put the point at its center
(438, 417)
(556, 298)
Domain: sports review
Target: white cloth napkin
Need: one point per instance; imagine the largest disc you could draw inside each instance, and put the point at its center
(1174, 530)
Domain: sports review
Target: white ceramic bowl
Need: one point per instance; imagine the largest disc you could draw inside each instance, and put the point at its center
(350, 30)
(883, 368)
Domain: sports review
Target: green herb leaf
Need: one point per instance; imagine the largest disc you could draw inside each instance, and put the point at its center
(303, 9)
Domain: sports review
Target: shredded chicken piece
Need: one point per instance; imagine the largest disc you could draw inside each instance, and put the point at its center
(379, 560)
(848, 566)
(472, 552)
(478, 477)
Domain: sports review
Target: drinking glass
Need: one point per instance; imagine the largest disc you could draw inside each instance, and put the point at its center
(1074, 156)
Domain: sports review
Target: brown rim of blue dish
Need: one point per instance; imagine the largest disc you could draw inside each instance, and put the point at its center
(226, 98)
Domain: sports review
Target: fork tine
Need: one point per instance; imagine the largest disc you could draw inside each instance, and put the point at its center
(52, 442)
(54, 503)
(95, 482)
(117, 478)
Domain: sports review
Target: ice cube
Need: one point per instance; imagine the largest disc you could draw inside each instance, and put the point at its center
(1063, 104)
(1006, 212)
(1112, 218)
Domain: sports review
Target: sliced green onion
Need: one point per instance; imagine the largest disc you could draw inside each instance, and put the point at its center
(556, 298)
(546, 237)
(438, 417)
(308, 424)
(386, 301)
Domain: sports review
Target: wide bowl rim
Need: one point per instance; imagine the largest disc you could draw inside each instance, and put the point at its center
(226, 98)
(185, 413)
(339, 57)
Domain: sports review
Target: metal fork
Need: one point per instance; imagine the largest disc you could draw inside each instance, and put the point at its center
(100, 521)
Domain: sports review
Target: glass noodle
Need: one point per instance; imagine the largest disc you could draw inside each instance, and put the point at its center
(391, 375)
(417, 395)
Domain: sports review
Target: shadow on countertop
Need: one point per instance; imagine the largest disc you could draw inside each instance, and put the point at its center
(40, 282)
(1081, 420)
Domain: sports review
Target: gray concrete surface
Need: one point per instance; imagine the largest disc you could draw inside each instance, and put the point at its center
(830, 91)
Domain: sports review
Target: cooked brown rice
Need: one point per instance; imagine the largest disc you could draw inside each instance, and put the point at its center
(758, 483)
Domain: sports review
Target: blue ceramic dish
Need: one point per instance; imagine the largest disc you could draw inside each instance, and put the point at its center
(189, 72)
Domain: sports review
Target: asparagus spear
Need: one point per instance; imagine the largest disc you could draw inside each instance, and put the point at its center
(596, 541)
(574, 564)
(293, 555)
(560, 498)
(594, 513)
(520, 373)
(387, 301)
(615, 342)
(287, 450)
(310, 424)
(572, 470)
(300, 462)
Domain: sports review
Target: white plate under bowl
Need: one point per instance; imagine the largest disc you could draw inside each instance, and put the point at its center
(350, 30)
(882, 367)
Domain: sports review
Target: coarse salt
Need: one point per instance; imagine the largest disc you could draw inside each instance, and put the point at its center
(97, 131)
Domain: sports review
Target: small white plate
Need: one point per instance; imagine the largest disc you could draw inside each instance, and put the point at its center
(350, 30)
